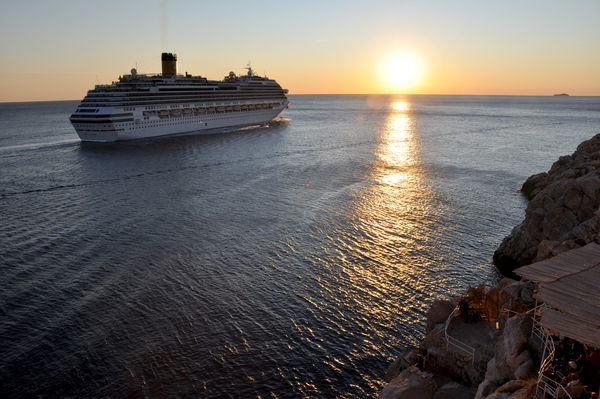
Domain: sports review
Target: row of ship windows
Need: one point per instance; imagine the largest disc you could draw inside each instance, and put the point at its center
(186, 86)
(116, 103)
(176, 112)
(249, 96)
(195, 116)
(213, 105)
(146, 124)
(196, 93)
(137, 92)
(188, 93)
(204, 108)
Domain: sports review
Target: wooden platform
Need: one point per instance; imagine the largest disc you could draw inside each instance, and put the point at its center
(561, 265)
(569, 285)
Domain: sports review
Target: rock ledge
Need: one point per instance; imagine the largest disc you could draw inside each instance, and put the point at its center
(563, 210)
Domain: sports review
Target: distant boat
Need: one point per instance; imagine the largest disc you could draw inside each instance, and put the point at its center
(561, 95)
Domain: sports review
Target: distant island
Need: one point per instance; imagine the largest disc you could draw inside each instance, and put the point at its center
(561, 95)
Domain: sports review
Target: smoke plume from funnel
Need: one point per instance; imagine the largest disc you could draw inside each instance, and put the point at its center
(164, 22)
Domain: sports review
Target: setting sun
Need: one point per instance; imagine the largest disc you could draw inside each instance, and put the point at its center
(401, 71)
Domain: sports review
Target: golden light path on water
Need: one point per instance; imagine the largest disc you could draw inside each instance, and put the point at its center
(383, 265)
(393, 213)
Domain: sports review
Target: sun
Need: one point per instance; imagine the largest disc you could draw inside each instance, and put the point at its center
(400, 71)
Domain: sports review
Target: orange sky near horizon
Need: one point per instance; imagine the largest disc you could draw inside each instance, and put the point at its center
(56, 51)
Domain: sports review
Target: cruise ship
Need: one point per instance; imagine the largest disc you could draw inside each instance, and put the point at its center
(141, 106)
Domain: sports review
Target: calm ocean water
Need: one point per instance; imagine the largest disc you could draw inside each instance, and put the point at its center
(289, 261)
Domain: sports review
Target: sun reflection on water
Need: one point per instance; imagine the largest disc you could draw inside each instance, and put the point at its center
(400, 106)
(397, 148)
(380, 252)
(394, 216)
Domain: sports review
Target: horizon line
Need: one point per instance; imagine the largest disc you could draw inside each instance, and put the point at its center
(361, 94)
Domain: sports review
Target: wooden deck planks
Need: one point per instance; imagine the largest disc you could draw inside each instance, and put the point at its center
(569, 284)
(569, 262)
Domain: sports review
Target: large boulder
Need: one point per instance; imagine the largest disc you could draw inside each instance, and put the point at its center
(492, 380)
(527, 391)
(406, 359)
(511, 347)
(525, 370)
(512, 386)
(411, 383)
(562, 213)
(454, 390)
(438, 313)
(516, 295)
(511, 355)
(534, 184)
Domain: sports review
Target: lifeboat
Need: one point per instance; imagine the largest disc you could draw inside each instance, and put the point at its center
(187, 111)
(176, 112)
(163, 113)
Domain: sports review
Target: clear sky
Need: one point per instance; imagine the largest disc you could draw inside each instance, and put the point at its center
(59, 49)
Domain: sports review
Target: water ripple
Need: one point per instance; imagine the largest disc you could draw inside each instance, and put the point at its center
(291, 261)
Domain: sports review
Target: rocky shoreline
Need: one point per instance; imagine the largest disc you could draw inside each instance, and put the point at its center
(562, 212)
(485, 349)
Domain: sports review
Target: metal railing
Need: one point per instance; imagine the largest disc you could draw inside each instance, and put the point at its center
(456, 344)
(537, 330)
(546, 386)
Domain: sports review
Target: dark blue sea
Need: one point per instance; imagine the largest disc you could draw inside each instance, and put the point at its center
(295, 260)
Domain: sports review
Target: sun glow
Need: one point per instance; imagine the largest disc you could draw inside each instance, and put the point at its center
(401, 71)
(400, 106)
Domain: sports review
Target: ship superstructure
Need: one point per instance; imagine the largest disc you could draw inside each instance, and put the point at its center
(140, 106)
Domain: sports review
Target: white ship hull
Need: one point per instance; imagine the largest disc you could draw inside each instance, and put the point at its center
(139, 106)
(177, 122)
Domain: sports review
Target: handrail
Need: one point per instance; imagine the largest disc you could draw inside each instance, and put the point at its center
(551, 349)
(457, 344)
(533, 311)
(546, 385)
(509, 312)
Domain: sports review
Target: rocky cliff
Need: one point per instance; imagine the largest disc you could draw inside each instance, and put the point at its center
(501, 364)
(500, 361)
(563, 210)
